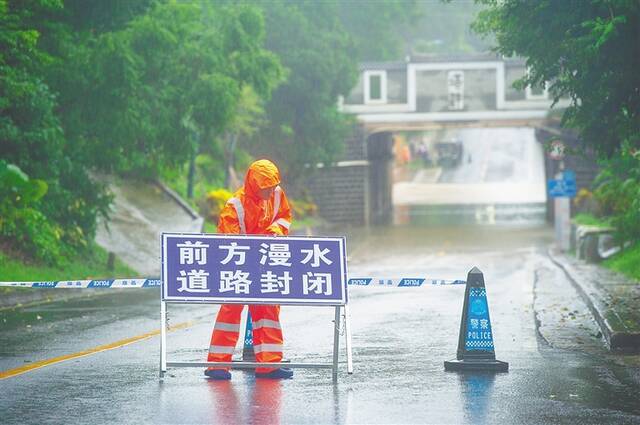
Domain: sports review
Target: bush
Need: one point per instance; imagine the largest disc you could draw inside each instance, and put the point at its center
(302, 209)
(618, 193)
(25, 227)
(213, 203)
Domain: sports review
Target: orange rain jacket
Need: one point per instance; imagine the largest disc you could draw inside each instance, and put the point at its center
(247, 213)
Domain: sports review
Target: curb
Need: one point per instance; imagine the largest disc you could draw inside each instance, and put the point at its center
(595, 298)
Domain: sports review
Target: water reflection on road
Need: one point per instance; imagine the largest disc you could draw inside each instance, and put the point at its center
(401, 336)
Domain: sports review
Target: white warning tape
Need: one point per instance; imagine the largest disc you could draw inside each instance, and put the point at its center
(154, 283)
(403, 282)
(79, 284)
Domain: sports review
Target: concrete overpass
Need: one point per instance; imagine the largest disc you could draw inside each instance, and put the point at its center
(436, 92)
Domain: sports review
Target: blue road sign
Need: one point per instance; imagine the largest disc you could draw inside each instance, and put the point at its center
(253, 269)
(564, 187)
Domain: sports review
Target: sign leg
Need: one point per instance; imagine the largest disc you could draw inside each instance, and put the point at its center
(336, 343)
(347, 334)
(163, 338)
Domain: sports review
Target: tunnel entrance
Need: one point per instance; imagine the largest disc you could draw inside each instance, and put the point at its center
(380, 154)
(493, 176)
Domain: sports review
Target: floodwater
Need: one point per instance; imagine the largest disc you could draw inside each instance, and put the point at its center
(500, 180)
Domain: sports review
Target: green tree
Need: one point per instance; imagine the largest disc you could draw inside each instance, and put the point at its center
(321, 44)
(380, 29)
(303, 124)
(248, 118)
(586, 51)
(31, 135)
(180, 63)
(119, 85)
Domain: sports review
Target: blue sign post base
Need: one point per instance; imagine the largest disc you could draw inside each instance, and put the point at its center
(475, 342)
(248, 355)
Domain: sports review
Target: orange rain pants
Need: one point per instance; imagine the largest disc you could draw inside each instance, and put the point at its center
(267, 334)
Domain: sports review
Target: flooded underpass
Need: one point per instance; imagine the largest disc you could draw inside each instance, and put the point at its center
(498, 179)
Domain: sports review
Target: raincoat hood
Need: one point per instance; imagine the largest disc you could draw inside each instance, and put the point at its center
(261, 175)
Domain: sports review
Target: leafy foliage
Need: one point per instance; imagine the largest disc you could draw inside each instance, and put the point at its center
(20, 220)
(618, 191)
(33, 140)
(147, 86)
(168, 82)
(587, 51)
(380, 29)
(116, 86)
(443, 28)
(213, 203)
(303, 124)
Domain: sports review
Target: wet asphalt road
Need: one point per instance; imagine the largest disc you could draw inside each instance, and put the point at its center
(559, 370)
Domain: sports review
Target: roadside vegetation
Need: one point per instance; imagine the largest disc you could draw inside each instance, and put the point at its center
(185, 92)
(587, 52)
(626, 262)
(93, 264)
(191, 92)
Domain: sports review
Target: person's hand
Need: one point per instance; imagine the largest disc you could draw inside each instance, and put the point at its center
(274, 230)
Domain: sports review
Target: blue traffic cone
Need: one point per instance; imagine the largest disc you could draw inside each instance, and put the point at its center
(248, 355)
(475, 341)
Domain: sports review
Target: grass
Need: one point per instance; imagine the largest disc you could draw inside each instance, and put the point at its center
(208, 176)
(586, 219)
(92, 265)
(626, 262)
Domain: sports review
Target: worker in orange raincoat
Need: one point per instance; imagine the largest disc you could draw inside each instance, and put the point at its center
(260, 207)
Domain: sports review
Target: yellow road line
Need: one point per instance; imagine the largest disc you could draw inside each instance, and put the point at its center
(42, 363)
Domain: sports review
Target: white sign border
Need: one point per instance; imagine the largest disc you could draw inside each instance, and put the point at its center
(287, 301)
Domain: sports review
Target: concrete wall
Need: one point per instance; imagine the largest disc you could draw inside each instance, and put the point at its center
(479, 90)
(358, 188)
(380, 156)
(341, 190)
(341, 193)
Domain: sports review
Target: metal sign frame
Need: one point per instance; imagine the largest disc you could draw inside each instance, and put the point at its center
(345, 316)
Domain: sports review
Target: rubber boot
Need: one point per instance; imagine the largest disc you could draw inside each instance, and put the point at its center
(281, 373)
